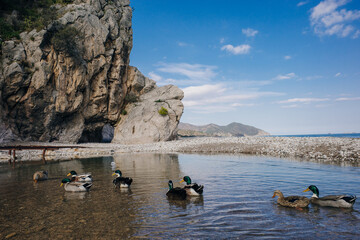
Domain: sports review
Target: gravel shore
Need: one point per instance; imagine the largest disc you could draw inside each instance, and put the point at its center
(343, 151)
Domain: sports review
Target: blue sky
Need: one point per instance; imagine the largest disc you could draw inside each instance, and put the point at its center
(285, 66)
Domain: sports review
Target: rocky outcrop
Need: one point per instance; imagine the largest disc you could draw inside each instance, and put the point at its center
(65, 82)
(142, 122)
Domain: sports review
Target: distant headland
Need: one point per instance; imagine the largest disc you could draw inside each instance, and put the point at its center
(212, 130)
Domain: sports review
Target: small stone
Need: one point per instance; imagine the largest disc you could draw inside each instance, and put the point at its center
(10, 235)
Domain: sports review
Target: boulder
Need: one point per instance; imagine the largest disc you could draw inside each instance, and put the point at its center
(141, 122)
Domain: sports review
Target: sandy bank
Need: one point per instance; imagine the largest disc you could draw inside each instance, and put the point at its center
(345, 151)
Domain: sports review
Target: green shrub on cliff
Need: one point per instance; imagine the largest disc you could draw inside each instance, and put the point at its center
(65, 40)
(7, 31)
(163, 111)
(17, 16)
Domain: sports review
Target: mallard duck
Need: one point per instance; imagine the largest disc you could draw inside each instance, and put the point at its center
(120, 181)
(75, 186)
(192, 189)
(339, 201)
(40, 176)
(176, 193)
(291, 201)
(86, 177)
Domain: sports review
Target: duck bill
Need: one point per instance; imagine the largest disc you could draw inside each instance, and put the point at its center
(68, 174)
(306, 190)
(61, 184)
(182, 181)
(273, 195)
(114, 174)
(35, 180)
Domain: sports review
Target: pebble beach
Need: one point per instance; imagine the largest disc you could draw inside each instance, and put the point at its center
(341, 151)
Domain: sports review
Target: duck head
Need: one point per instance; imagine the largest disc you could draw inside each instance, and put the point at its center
(72, 173)
(186, 179)
(278, 193)
(117, 173)
(65, 180)
(171, 185)
(314, 189)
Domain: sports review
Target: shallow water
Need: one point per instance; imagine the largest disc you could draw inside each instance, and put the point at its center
(236, 203)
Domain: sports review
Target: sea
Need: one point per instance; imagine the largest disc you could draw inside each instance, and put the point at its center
(342, 135)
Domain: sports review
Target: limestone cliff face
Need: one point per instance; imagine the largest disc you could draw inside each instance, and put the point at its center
(51, 93)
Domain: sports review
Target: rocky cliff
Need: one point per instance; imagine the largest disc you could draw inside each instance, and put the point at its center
(65, 82)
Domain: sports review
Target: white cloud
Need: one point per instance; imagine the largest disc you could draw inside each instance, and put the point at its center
(249, 32)
(220, 95)
(155, 77)
(287, 57)
(222, 40)
(290, 106)
(182, 74)
(196, 72)
(302, 3)
(255, 83)
(347, 99)
(327, 20)
(313, 77)
(356, 34)
(285, 77)
(338, 74)
(243, 104)
(241, 49)
(304, 100)
(204, 91)
(182, 44)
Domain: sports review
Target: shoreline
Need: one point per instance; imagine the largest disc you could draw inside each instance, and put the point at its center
(334, 150)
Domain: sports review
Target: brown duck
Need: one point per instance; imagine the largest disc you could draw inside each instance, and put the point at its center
(291, 201)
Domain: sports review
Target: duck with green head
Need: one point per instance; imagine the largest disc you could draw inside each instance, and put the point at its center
(85, 177)
(175, 193)
(122, 182)
(70, 186)
(192, 189)
(338, 201)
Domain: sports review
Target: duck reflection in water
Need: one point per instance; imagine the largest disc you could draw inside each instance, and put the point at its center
(69, 196)
(124, 191)
(197, 201)
(281, 210)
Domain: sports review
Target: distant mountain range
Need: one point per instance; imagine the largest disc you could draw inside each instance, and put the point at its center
(212, 130)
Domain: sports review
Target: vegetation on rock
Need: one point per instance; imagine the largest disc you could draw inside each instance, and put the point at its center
(163, 111)
(64, 40)
(17, 16)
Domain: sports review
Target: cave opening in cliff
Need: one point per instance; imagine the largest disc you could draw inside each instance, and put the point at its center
(99, 135)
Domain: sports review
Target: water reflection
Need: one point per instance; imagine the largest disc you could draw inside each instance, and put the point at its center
(196, 201)
(236, 202)
(68, 196)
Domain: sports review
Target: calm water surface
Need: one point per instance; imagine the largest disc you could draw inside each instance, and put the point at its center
(236, 203)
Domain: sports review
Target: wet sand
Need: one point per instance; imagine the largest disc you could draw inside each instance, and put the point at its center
(343, 151)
